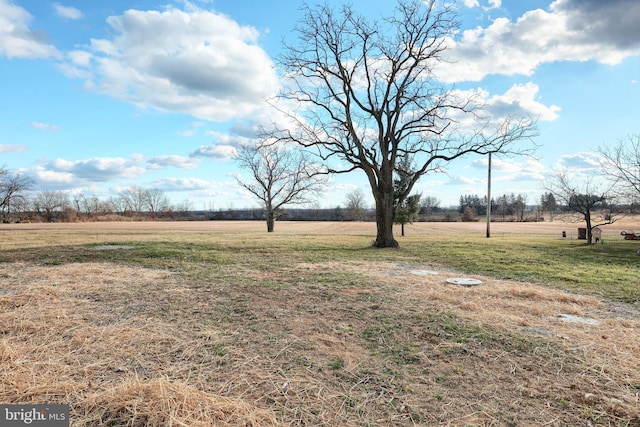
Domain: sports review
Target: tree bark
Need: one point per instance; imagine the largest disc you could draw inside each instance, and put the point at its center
(587, 218)
(384, 221)
(271, 220)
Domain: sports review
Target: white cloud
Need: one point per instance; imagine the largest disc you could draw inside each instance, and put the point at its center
(517, 101)
(510, 169)
(67, 12)
(80, 58)
(17, 40)
(583, 162)
(215, 152)
(44, 126)
(187, 133)
(195, 62)
(98, 169)
(184, 184)
(182, 162)
(520, 100)
(193, 129)
(51, 178)
(571, 30)
(463, 180)
(12, 148)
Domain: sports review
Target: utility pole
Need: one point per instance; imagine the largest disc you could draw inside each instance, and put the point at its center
(489, 199)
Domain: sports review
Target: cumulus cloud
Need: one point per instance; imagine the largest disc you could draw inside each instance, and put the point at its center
(196, 62)
(17, 40)
(505, 169)
(225, 145)
(570, 30)
(67, 12)
(215, 151)
(520, 100)
(98, 169)
(582, 161)
(53, 179)
(181, 162)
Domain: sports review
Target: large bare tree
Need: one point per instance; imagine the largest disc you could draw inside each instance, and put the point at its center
(278, 176)
(364, 94)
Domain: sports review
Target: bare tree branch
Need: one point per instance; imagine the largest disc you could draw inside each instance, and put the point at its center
(621, 163)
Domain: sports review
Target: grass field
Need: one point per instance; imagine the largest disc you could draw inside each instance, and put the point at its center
(221, 323)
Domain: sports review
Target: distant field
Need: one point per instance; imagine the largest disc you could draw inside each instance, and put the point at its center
(221, 323)
(551, 229)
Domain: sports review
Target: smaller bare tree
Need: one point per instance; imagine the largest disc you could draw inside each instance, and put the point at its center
(92, 205)
(50, 203)
(621, 163)
(133, 200)
(12, 189)
(429, 205)
(279, 176)
(157, 202)
(587, 199)
(355, 209)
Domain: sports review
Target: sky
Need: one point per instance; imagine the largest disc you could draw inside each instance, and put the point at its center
(97, 97)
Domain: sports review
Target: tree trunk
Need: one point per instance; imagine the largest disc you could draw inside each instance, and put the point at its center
(384, 221)
(271, 220)
(403, 229)
(587, 218)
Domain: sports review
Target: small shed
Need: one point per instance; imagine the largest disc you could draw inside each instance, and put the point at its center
(582, 233)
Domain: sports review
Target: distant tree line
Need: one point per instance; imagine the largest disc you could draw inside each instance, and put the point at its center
(598, 204)
(19, 203)
(507, 207)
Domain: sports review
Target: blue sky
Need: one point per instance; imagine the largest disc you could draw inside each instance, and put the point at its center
(97, 97)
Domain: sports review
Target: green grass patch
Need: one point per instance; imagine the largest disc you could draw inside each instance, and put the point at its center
(606, 270)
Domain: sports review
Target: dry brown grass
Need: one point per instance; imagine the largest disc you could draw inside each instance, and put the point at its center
(67, 337)
(46, 233)
(146, 347)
